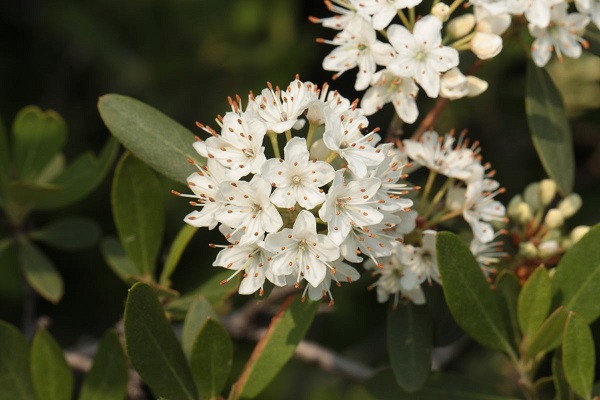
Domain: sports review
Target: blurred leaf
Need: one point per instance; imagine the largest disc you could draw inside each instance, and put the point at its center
(200, 311)
(15, 377)
(472, 303)
(107, 380)
(153, 348)
(52, 377)
(534, 301)
(150, 135)
(409, 338)
(549, 335)
(563, 390)
(82, 176)
(26, 195)
(54, 168)
(11, 281)
(577, 278)
(445, 329)
(592, 35)
(178, 246)
(4, 156)
(72, 233)
(508, 288)
(578, 355)
(549, 127)
(276, 347)
(211, 358)
(439, 386)
(37, 137)
(212, 290)
(39, 272)
(114, 255)
(138, 212)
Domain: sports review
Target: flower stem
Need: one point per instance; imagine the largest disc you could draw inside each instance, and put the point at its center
(438, 196)
(428, 186)
(288, 135)
(331, 157)
(443, 216)
(455, 5)
(411, 15)
(273, 137)
(310, 134)
(404, 20)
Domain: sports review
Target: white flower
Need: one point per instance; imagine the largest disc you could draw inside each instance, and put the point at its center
(590, 8)
(454, 85)
(420, 55)
(538, 12)
(421, 262)
(488, 254)
(280, 109)
(358, 47)
(239, 147)
(350, 205)
(296, 178)
(387, 87)
(327, 105)
(383, 11)
(343, 136)
(563, 35)
(204, 184)
(480, 208)
(374, 242)
(302, 250)
(248, 208)
(347, 14)
(389, 172)
(340, 272)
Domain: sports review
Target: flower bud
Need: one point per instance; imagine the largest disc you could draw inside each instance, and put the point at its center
(524, 214)
(570, 205)
(528, 250)
(455, 199)
(513, 206)
(548, 248)
(486, 45)
(441, 11)
(547, 191)
(578, 232)
(453, 85)
(496, 24)
(460, 26)
(532, 195)
(475, 86)
(554, 218)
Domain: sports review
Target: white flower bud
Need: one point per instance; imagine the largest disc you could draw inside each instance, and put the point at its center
(528, 250)
(453, 85)
(566, 243)
(524, 214)
(441, 11)
(513, 206)
(578, 232)
(532, 195)
(318, 150)
(496, 24)
(554, 218)
(486, 45)
(570, 205)
(461, 26)
(548, 248)
(455, 199)
(547, 191)
(475, 86)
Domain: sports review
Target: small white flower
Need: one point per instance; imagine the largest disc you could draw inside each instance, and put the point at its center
(390, 173)
(488, 254)
(421, 262)
(401, 92)
(455, 85)
(204, 184)
(302, 250)
(538, 12)
(480, 208)
(421, 55)
(326, 106)
(296, 178)
(374, 242)
(383, 11)
(590, 8)
(346, 14)
(340, 272)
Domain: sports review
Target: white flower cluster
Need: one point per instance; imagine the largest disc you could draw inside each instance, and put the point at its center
(468, 192)
(298, 217)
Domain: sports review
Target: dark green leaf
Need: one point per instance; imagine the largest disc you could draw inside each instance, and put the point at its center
(276, 347)
(176, 251)
(72, 233)
(15, 377)
(39, 272)
(11, 281)
(534, 301)
(549, 335)
(107, 380)
(200, 311)
(549, 127)
(508, 287)
(578, 355)
(37, 137)
(138, 212)
(150, 135)
(563, 391)
(4, 157)
(445, 329)
(577, 278)
(82, 176)
(409, 340)
(114, 255)
(52, 377)
(472, 303)
(153, 348)
(211, 358)
(23, 196)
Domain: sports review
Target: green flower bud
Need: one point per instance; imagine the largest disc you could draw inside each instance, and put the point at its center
(554, 218)
(570, 205)
(547, 191)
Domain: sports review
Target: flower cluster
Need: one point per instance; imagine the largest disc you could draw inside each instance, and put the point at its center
(337, 195)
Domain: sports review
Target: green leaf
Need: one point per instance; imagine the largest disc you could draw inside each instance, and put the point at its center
(72, 233)
(534, 301)
(114, 255)
(472, 303)
(107, 380)
(508, 288)
(577, 277)
(39, 272)
(37, 137)
(445, 329)
(578, 355)
(15, 377)
(200, 311)
(82, 176)
(549, 127)
(26, 195)
(54, 168)
(211, 359)
(4, 157)
(276, 347)
(563, 390)
(179, 245)
(150, 135)
(138, 212)
(409, 341)
(153, 348)
(549, 335)
(52, 377)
